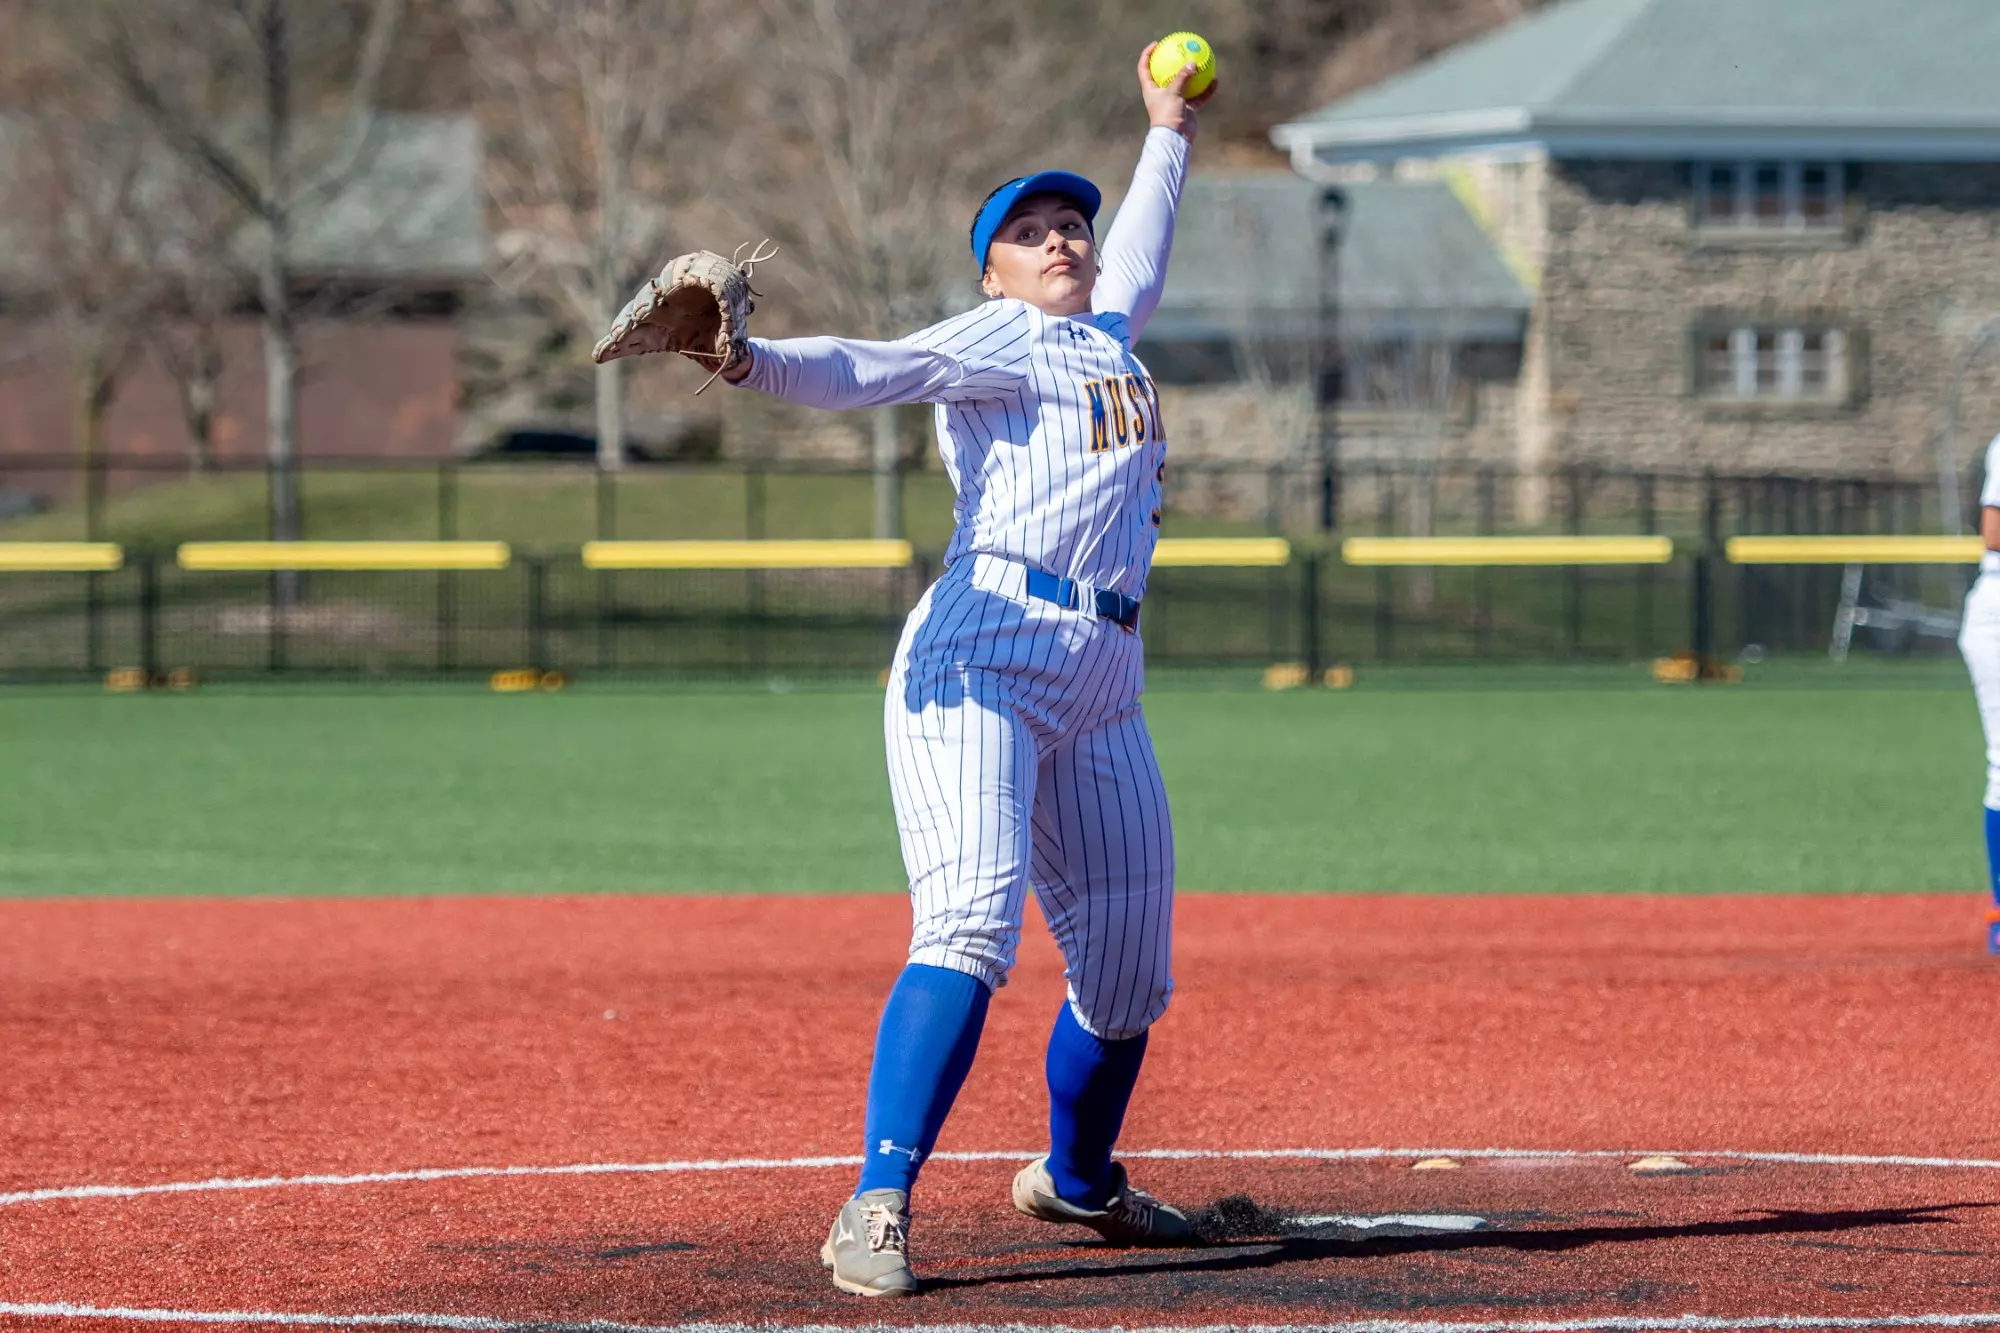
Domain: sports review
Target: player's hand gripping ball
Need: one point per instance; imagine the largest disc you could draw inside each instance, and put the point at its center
(1176, 51)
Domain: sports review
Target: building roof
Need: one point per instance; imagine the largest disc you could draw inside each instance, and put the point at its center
(1412, 262)
(1889, 78)
(412, 211)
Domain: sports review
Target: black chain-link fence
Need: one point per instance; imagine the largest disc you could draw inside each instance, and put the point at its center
(547, 612)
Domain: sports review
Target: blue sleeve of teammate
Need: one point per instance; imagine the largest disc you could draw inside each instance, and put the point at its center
(981, 354)
(1142, 236)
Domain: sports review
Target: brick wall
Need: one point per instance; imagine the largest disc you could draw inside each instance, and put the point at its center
(380, 388)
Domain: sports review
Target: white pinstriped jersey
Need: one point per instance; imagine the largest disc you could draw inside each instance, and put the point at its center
(1048, 425)
(1018, 753)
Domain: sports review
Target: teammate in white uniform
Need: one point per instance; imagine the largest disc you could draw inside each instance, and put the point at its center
(1979, 641)
(1017, 751)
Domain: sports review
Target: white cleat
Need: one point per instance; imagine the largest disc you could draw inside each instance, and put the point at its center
(868, 1249)
(1130, 1217)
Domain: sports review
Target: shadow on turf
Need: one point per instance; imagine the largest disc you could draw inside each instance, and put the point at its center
(1249, 1252)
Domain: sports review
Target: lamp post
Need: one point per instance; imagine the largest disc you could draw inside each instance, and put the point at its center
(1326, 390)
(1329, 372)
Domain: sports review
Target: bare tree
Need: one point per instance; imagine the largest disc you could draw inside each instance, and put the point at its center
(896, 116)
(189, 350)
(1273, 356)
(275, 103)
(1414, 382)
(580, 98)
(189, 233)
(75, 183)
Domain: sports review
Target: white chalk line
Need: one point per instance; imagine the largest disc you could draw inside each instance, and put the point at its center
(1687, 1323)
(222, 1184)
(1410, 1221)
(486, 1324)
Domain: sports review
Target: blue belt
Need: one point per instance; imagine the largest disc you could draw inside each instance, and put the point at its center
(1068, 594)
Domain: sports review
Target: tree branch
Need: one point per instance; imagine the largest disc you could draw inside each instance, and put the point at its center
(384, 20)
(222, 165)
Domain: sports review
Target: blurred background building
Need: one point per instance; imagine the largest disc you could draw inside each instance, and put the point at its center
(1748, 235)
(1760, 234)
(384, 271)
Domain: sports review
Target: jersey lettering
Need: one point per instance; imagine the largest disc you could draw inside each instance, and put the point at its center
(1140, 426)
(1124, 410)
(1100, 432)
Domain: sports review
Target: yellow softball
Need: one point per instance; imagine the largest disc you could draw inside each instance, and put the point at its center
(1177, 49)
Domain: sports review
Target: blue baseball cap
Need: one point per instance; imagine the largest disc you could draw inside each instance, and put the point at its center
(1000, 203)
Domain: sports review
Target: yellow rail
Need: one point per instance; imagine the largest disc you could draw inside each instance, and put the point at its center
(748, 555)
(1853, 550)
(60, 557)
(1507, 550)
(1175, 552)
(344, 555)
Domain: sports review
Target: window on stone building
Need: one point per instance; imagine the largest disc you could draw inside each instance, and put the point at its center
(1768, 196)
(1773, 363)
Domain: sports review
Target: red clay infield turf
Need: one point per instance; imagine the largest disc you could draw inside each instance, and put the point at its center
(152, 1042)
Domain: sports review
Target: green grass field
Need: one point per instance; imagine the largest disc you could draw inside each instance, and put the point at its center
(1758, 788)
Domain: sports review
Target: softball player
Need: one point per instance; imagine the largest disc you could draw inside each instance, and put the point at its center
(1017, 751)
(1979, 641)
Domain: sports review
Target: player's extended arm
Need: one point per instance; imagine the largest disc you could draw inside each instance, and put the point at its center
(848, 372)
(983, 353)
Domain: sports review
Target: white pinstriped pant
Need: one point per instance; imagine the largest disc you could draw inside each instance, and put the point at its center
(1018, 755)
(1979, 643)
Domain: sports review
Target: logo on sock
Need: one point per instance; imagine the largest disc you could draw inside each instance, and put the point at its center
(916, 1155)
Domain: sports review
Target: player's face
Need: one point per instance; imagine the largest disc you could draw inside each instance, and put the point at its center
(1043, 254)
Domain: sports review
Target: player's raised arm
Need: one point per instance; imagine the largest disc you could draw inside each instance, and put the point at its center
(1140, 241)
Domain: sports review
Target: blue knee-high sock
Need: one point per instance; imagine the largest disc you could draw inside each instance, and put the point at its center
(1993, 853)
(1090, 1083)
(923, 1051)
(1993, 879)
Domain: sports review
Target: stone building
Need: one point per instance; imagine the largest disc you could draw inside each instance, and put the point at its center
(1758, 234)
